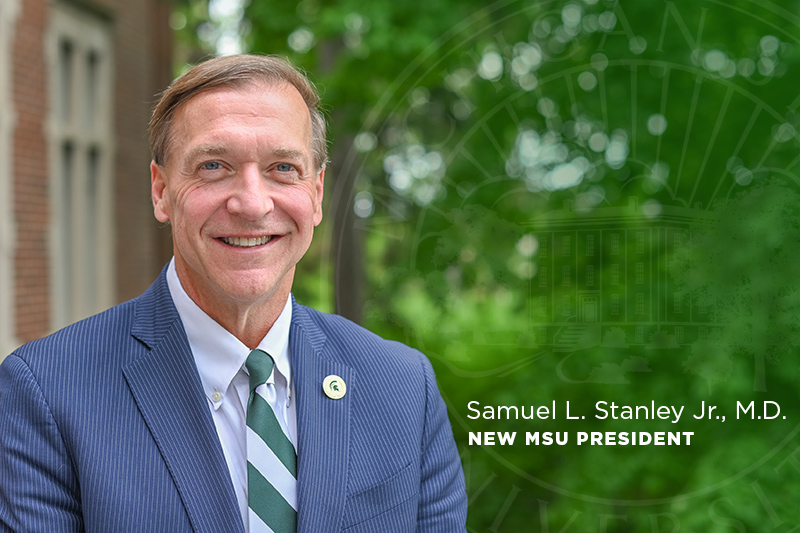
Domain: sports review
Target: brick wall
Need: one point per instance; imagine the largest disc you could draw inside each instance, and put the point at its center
(142, 68)
(141, 44)
(31, 201)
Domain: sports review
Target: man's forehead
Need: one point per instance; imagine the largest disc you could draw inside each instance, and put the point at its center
(258, 88)
(183, 122)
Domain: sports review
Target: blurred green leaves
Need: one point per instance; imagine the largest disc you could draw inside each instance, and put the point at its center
(480, 136)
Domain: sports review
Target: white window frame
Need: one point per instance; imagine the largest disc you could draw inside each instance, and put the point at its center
(639, 242)
(615, 274)
(82, 269)
(566, 305)
(677, 302)
(9, 9)
(639, 303)
(614, 243)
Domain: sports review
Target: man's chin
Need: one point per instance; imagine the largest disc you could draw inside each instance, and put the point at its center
(253, 287)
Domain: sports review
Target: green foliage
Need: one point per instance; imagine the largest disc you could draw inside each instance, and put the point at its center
(485, 134)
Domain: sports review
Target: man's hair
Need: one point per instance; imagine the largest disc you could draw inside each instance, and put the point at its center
(234, 71)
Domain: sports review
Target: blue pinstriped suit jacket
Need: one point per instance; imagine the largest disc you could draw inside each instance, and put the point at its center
(104, 427)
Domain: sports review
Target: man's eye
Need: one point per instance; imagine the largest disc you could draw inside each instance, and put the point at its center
(211, 165)
(284, 167)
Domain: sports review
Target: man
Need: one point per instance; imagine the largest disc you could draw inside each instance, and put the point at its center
(143, 418)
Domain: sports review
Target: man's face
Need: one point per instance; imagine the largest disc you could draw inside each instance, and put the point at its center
(241, 192)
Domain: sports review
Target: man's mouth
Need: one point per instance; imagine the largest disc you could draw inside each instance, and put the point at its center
(245, 242)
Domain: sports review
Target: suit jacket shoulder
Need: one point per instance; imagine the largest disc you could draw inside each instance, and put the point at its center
(393, 440)
(107, 419)
(361, 348)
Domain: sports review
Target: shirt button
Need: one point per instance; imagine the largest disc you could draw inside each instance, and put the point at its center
(216, 397)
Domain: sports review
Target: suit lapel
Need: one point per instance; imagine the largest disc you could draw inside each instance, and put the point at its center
(323, 428)
(167, 390)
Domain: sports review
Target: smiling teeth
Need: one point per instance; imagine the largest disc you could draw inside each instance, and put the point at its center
(243, 242)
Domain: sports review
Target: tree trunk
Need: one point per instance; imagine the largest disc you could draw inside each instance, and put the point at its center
(341, 177)
(347, 256)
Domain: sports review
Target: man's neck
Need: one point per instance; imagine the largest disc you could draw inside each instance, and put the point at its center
(249, 321)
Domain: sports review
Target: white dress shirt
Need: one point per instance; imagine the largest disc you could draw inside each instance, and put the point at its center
(220, 359)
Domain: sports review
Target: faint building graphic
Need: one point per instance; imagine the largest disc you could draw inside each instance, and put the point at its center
(601, 278)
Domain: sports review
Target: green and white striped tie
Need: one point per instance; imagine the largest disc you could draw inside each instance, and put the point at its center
(271, 458)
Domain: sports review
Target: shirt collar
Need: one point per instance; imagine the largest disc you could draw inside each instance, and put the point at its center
(218, 354)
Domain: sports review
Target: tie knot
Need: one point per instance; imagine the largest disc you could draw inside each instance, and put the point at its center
(259, 365)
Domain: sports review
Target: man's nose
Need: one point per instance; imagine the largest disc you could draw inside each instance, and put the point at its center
(251, 197)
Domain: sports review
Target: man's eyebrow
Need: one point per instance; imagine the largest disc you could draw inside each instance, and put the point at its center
(213, 150)
(289, 153)
(206, 150)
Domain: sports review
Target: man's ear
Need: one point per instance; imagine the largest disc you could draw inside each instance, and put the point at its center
(158, 192)
(319, 186)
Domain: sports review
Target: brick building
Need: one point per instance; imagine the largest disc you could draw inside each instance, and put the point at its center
(77, 234)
